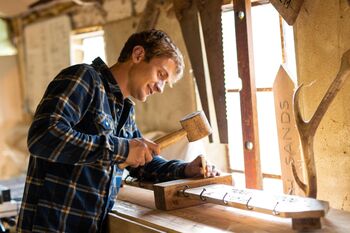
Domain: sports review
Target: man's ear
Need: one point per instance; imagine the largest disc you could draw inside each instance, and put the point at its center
(138, 53)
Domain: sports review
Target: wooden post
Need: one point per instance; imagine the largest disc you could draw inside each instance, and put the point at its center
(244, 45)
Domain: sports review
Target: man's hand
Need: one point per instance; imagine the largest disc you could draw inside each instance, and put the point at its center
(195, 169)
(141, 151)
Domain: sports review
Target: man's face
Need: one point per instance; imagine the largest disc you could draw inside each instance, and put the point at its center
(147, 78)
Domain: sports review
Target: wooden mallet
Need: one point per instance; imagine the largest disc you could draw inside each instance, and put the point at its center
(195, 126)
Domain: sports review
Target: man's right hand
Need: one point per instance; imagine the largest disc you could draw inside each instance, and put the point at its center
(141, 151)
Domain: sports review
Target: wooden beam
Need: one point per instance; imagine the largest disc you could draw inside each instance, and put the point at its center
(244, 45)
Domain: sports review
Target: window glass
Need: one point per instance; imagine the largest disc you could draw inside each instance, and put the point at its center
(266, 44)
(268, 139)
(86, 47)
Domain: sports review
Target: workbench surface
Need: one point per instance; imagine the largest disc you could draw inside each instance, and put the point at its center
(135, 211)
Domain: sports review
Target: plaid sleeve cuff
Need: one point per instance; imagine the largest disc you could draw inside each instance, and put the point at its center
(119, 148)
(179, 172)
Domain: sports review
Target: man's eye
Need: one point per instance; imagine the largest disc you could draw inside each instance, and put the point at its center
(162, 75)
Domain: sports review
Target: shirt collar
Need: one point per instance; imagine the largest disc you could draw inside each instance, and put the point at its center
(101, 67)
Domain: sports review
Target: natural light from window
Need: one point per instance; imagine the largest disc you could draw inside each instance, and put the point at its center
(85, 47)
(267, 48)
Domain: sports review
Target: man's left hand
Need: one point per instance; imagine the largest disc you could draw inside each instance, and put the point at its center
(195, 169)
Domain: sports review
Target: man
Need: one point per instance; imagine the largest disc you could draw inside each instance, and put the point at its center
(84, 127)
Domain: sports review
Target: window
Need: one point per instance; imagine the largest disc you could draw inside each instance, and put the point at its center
(273, 44)
(85, 47)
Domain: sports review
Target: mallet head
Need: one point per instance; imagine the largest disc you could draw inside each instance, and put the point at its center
(196, 125)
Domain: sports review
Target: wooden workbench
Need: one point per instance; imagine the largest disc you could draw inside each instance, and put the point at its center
(135, 212)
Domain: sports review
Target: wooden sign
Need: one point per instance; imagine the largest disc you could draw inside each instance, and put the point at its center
(176, 194)
(288, 136)
(305, 212)
(285, 206)
(288, 9)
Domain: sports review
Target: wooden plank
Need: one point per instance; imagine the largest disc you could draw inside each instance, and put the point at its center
(167, 197)
(138, 205)
(285, 206)
(288, 136)
(244, 43)
(288, 9)
(117, 223)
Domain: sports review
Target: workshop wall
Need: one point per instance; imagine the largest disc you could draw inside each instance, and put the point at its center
(322, 36)
(13, 154)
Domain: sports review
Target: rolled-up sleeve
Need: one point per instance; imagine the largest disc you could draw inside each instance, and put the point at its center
(159, 170)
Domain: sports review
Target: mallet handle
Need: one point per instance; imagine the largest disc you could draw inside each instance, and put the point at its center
(164, 141)
(170, 138)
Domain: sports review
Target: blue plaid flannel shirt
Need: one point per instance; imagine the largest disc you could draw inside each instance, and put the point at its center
(79, 133)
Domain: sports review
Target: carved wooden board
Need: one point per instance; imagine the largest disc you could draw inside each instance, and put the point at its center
(286, 206)
(288, 9)
(288, 136)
